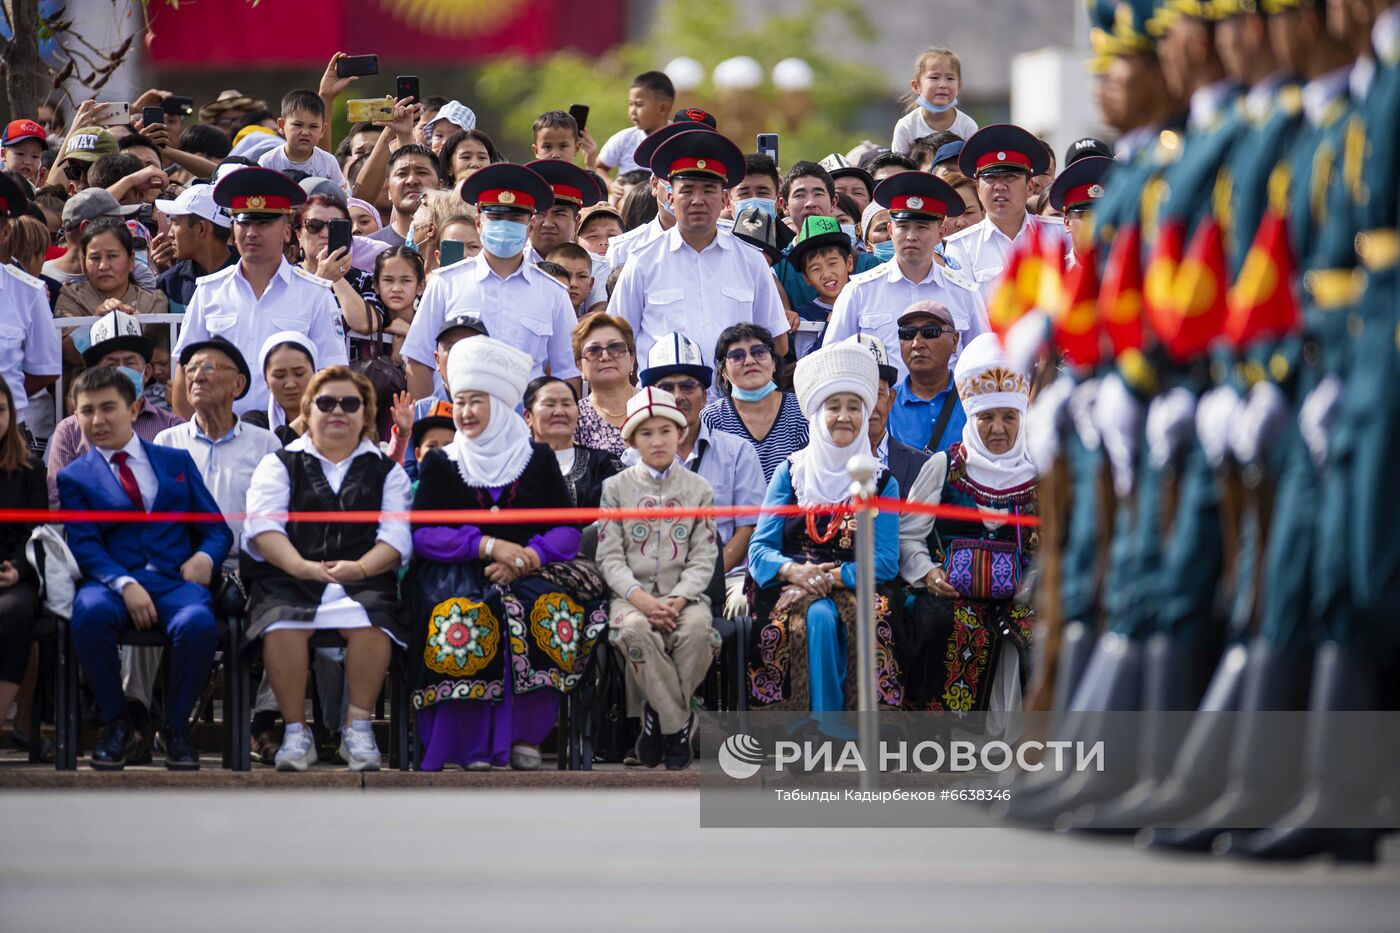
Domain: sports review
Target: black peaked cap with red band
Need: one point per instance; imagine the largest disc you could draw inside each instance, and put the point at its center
(918, 196)
(699, 154)
(258, 192)
(13, 198)
(1080, 184)
(507, 186)
(571, 184)
(1003, 147)
(647, 147)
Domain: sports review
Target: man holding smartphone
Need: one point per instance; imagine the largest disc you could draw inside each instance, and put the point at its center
(262, 293)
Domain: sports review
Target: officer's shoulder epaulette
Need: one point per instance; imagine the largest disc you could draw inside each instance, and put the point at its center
(298, 270)
(20, 275)
(960, 280)
(871, 275)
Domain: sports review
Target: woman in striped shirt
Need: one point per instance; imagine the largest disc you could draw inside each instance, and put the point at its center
(753, 407)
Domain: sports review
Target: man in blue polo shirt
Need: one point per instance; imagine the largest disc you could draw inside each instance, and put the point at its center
(927, 414)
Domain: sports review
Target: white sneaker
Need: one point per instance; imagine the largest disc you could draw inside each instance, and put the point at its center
(298, 751)
(358, 748)
(525, 758)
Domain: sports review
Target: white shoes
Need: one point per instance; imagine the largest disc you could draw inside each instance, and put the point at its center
(298, 751)
(358, 748)
(524, 758)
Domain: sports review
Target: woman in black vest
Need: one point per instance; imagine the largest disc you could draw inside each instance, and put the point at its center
(505, 615)
(307, 576)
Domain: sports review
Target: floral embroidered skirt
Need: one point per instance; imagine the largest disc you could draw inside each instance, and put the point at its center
(951, 656)
(474, 640)
(780, 677)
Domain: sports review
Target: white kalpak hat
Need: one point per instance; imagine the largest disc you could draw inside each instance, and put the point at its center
(985, 379)
(484, 364)
(847, 366)
(650, 403)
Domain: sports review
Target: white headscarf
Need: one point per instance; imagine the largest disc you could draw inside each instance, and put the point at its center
(498, 455)
(276, 418)
(819, 470)
(986, 381)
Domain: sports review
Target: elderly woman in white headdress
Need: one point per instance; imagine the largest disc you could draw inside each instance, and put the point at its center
(972, 634)
(505, 615)
(287, 361)
(803, 566)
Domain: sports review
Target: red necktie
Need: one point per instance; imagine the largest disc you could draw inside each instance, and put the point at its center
(128, 480)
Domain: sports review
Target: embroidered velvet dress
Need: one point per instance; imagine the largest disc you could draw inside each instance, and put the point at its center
(494, 659)
(953, 661)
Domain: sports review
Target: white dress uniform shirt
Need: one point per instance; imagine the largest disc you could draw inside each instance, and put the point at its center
(872, 302)
(982, 251)
(527, 309)
(270, 494)
(224, 306)
(226, 465)
(625, 244)
(28, 342)
(668, 286)
(146, 481)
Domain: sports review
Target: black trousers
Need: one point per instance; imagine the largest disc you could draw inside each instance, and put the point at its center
(19, 608)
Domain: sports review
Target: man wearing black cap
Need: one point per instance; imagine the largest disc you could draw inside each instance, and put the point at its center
(574, 189)
(29, 347)
(623, 246)
(918, 203)
(1074, 194)
(262, 293)
(521, 305)
(1004, 159)
(223, 447)
(693, 279)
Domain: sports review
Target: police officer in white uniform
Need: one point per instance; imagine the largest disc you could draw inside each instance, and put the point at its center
(521, 305)
(262, 293)
(873, 300)
(1004, 159)
(697, 279)
(30, 352)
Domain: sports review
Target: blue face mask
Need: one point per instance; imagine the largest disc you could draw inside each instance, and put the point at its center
(767, 205)
(754, 395)
(934, 108)
(503, 239)
(408, 240)
(137, 377)
(666, 204)
(883, 251)
(850, 231)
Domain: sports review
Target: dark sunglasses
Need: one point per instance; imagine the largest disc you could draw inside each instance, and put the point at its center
(615, 350)
(314, 226)
(926, 331)
(348, 403)
(738, 355)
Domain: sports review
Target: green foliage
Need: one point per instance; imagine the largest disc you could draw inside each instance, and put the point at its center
(517, 90)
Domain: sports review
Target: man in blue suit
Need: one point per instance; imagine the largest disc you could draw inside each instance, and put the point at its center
(142, 574)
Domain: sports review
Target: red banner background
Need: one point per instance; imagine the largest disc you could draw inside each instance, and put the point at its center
(212, 34)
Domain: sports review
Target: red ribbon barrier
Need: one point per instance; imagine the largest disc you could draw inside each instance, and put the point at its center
(510, 516)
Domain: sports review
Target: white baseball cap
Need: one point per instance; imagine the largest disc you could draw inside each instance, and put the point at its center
(454, 112)
(196, 201)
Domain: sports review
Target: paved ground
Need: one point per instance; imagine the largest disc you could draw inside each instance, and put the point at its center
(616, 860)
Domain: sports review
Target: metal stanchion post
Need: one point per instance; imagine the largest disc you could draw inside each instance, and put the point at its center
(863, 470)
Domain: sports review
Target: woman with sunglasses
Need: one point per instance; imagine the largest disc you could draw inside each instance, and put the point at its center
(753, 407)
(606, 353)
(354, 289)
(308, 576)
